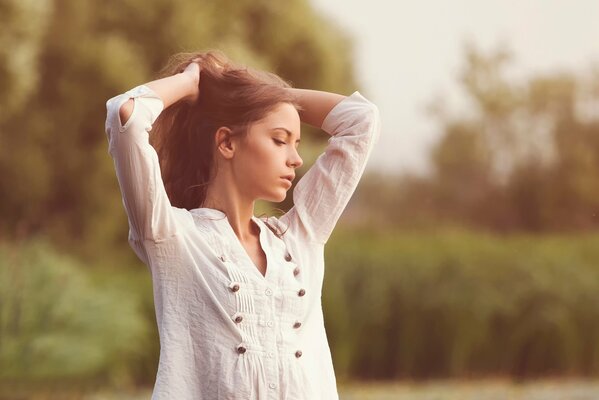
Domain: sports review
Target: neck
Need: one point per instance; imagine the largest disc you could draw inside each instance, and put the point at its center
(223, 195)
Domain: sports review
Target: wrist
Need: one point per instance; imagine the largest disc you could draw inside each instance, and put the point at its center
(191, 83)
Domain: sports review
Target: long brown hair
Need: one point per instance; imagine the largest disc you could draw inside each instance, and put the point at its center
(230, 95)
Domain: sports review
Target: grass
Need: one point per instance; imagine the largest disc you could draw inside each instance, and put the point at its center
(474, 390)
(553, 389)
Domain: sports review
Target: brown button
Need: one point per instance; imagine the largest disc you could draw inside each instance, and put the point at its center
(235, 287)
(297, 325)
(238, 319)
(296, 271)
(301, 292)
(298, 354)
(287, 257)
(241, 349)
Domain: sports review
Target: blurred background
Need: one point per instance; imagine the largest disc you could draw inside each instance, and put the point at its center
(466, 265)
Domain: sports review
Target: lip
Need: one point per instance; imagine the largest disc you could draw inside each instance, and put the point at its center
(286, 180)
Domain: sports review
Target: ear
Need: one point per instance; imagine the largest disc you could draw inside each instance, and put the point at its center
(225, 144)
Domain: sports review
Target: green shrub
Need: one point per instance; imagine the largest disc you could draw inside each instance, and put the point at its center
(459, 304)
(56, 324)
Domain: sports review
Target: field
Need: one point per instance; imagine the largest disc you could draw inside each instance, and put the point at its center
(434, 390)
(477, 390)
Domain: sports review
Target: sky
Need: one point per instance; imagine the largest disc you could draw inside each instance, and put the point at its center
(408, 53)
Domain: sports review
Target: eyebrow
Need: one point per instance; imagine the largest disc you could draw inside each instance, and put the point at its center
(287, 131)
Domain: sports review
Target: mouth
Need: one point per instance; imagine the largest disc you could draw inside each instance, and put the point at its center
(288, 178)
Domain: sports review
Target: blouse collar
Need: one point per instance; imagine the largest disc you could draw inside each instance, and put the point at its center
(209, 212)
(212, 212)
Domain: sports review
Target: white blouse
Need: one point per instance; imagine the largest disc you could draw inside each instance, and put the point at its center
(226, 331)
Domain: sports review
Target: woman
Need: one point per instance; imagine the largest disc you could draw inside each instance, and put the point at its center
(237, 298)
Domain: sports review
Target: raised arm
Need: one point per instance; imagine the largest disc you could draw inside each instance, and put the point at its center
(322, 194)
(316, 104)
(129, 120)
(183, 86)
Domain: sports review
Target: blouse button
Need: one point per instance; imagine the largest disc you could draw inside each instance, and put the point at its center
(298, 354)
(296, 271)
(301, 292)
(297, 325)
(268, 292)
(222, 258)
(238, 319)
(287, 257)
(234, 287)
(241, 349)
(272, 385)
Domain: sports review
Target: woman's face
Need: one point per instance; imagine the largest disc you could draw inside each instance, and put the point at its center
(268, 154)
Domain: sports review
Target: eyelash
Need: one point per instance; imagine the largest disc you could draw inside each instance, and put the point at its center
(279, 143)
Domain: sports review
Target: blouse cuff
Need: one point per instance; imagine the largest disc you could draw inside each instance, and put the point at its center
(346, 111)
(152, 104)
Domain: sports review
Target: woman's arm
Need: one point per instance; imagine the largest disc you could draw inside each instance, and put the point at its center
(323, 192)
(183, 86)
(136, 162)
(316, 104)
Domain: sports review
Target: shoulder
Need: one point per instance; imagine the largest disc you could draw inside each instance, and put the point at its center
(276, 226)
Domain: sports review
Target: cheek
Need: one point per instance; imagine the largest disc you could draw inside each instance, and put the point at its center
(263, 156)
(255, 162)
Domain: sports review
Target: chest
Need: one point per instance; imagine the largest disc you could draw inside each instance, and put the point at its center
(261, 272)
(254, 250)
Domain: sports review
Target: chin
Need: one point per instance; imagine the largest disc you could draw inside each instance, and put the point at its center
(278, 197)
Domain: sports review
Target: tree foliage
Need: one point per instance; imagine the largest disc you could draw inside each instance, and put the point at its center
(523, 156)
(61, 60)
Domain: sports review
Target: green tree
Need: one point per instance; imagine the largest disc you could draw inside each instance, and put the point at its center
(523, 157)
(70, 57)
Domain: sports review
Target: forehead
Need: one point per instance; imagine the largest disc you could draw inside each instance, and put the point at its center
(284, 115)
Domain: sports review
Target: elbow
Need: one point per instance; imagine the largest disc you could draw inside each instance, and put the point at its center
(122, 115)
(125, 112)
(373, 111)
(368, 111)
(373, 118)
(371, 114)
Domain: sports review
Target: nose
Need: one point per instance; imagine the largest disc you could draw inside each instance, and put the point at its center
(295, 160)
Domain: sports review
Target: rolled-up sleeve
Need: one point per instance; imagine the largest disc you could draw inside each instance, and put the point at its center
(324, 191)
(146, 203)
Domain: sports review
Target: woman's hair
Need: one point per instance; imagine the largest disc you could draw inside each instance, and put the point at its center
(230, 95)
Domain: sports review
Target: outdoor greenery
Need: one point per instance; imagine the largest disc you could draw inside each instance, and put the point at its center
(66, 59)
(397, 306)
(488, 266)
(523, 156)
(59, 324)
(462, 304)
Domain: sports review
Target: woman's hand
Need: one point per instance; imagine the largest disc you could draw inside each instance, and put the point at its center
(183, 86)
(193, 72)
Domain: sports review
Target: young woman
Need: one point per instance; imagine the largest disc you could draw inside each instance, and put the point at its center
(237, 298)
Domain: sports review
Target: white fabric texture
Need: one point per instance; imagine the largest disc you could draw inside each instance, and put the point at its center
(226, 331)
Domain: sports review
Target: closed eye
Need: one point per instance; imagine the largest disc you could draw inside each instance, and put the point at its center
(278, 142)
